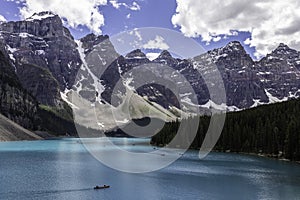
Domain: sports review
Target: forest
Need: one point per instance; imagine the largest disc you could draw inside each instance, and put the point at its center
(271, 130)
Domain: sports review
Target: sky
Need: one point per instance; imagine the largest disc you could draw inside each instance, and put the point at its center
(259, 25)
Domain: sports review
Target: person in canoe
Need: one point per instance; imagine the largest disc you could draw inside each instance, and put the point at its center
(101, 187)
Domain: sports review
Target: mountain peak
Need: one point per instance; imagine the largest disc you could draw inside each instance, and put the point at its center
(282, 46)
(95, 39)
(235, 42)
(41, 16)
(283, 49)
(236, 45)
(136, 54)
(164, 54)
(233, 47)
(50, 25)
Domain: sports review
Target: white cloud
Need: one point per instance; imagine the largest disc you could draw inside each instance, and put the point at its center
(128, 16)
(115, 4)
(269, 21)
(216, 39)
(2, 19)
(157, 43)
(135, 39)
(134, 6)
(76, 12)
(137, 34)
(16, 1)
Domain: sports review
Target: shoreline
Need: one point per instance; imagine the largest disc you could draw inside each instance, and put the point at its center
(42, 139)
(262, 155)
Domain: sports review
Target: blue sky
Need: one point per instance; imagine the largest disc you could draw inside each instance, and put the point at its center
(150, 13)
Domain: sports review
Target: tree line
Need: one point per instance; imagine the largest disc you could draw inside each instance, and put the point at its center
(272, 130)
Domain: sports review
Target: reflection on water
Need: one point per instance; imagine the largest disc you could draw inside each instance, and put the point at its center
(63, 169)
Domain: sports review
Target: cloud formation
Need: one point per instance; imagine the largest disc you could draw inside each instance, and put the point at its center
(135, 6)
(157, 43)
(76, 12)
(269, 21)
(2, 19)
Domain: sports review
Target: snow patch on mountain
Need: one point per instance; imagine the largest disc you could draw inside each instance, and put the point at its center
(64, 96)
(256, 103)
(25, 35)
(152, 56)
(221, 107)
(273, 99)
(96, 82)
(11, 52)
(41, 16)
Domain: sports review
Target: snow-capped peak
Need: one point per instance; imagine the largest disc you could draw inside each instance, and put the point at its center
(41, 15)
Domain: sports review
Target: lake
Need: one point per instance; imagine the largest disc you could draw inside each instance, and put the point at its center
(63, 169)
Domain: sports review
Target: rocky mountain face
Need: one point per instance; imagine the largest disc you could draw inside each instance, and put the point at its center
(104, 89)
(247, 83)
(279, 73)
(99, 69)
(236, 67)
(44, 54)
(49, 64)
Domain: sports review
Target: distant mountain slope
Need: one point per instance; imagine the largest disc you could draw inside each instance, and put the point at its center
(10, 131)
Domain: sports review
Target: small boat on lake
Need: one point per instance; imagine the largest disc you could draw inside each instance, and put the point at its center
(101, 187)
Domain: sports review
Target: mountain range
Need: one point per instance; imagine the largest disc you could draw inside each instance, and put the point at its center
(44, 67)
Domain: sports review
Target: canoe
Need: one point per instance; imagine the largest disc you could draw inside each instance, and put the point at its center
(101, 187)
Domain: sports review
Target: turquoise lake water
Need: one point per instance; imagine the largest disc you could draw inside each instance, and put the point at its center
(63, 169)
